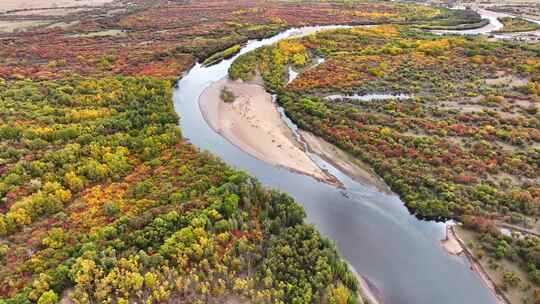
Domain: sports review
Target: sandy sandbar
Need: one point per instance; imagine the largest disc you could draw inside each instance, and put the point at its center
(253, 123)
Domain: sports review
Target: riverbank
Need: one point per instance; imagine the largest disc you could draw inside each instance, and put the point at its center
(252, 123)
(366, 290)
(352, 167)
(454, 244)
(451, 243)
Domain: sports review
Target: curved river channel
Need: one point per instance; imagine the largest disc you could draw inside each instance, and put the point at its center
(396, 252)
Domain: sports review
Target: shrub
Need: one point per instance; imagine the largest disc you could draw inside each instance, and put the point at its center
(227, 95)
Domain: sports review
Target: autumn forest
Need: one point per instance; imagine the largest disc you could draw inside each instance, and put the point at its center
(103, 200)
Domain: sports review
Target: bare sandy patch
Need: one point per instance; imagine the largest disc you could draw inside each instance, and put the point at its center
(464, 108)
(105, 33)
(509, 80)
(526, 103)
(63, 25)
(7, 26)
(48, 12)
(450, 243)
(9, 5)
(366, 289)
(253, 123)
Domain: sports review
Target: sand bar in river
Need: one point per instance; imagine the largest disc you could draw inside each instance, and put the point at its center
(253, 123)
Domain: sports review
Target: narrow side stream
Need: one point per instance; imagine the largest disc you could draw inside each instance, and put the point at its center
(493, 26)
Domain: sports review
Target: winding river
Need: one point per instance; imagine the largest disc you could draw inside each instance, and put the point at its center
(493, 26)
(396, 252)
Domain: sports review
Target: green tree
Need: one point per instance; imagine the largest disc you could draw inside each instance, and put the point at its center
(48, 297)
